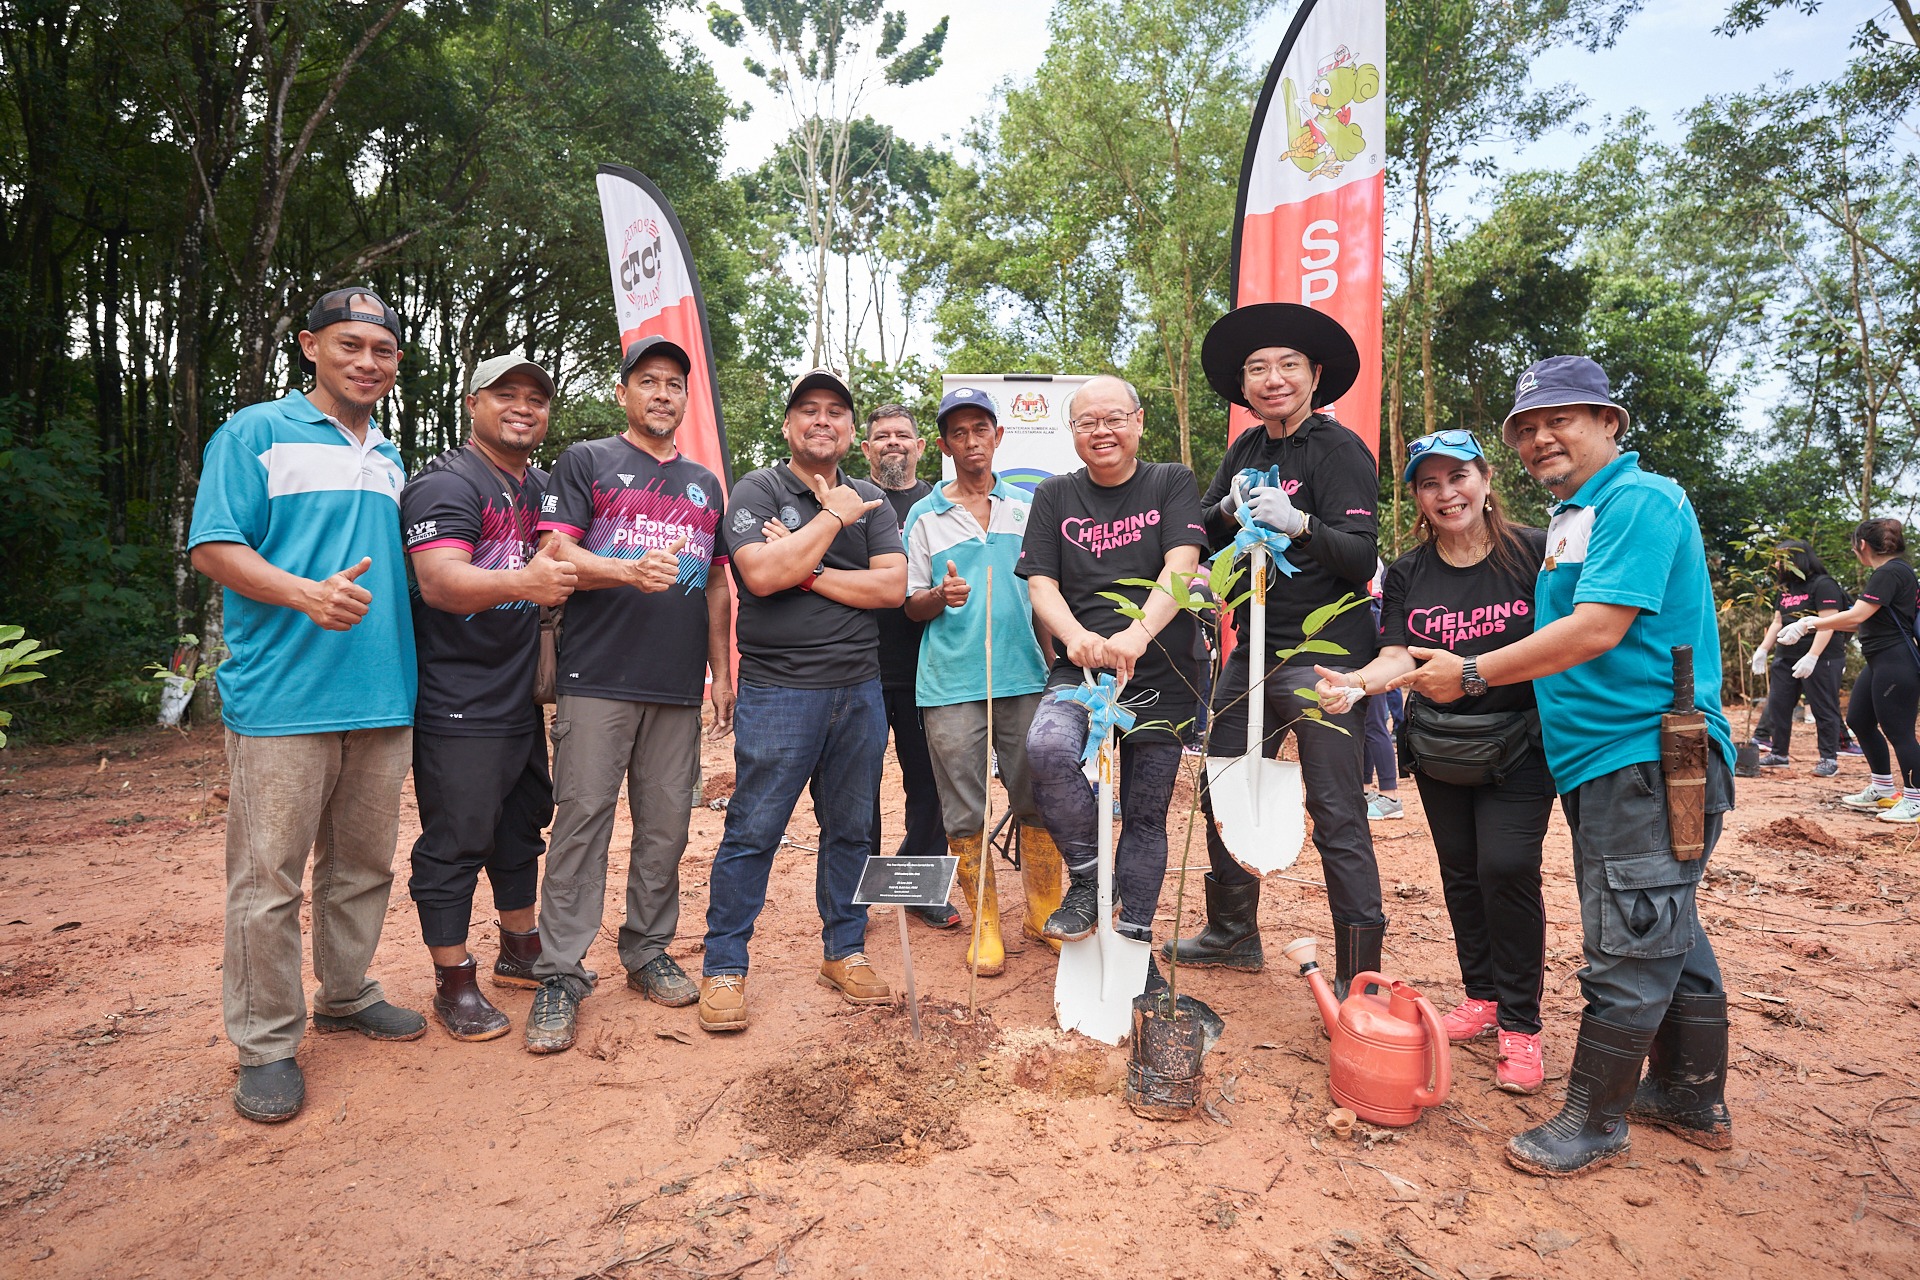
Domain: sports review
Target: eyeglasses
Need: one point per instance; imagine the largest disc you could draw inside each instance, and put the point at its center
(1089, 424)
(1458, 438)
(1289, 366)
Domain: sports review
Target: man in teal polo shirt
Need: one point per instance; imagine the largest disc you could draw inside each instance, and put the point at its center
(973, 524)
(298, 518)
(1623, 583)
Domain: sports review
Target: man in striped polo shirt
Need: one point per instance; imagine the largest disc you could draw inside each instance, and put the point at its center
(298, 518)
(965, 528)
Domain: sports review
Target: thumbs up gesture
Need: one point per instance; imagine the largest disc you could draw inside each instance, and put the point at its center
(843, 500)
(547, 579)
(659, 569)
(338, 602)
(952, 589)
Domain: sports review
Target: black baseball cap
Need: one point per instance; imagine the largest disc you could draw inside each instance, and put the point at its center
(337, 307)
(655, 345)
(820, 380)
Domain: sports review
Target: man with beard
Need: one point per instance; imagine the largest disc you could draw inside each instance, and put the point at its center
(640, 523)
(894, 448)
(298, 518)
(810, 713)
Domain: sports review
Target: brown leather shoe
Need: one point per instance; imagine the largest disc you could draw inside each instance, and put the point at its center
(855, 979)
(518, 951)
(723, 1002)
(459, 1006)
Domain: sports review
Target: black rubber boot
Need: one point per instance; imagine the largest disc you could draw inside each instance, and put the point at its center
(1591, 1129)
(270, 1093)
(1231, 939)
(458, 1004)
(1356, 949)
(1685, 1088)
(1079, 908)
(518, 951)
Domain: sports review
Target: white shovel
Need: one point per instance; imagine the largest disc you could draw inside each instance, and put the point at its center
(1259, 805)
(1099, 976)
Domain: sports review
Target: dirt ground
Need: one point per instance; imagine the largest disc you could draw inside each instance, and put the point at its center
(824, 1142)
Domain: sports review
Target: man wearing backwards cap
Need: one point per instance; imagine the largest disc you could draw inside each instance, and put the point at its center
(640, 523)
(298, 518)
(1281, 360)
(1623, 583)
(479, 753)
(810, 710)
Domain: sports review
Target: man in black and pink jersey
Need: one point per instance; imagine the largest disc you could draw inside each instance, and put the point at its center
(640, 523)
(479, 760)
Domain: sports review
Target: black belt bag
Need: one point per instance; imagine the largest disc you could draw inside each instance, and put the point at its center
(1469, 750)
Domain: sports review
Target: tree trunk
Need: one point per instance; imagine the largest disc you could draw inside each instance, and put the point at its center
(1428, 415)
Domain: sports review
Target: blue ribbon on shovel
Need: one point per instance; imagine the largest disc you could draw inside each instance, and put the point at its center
(1253, 533)
(1104, 711)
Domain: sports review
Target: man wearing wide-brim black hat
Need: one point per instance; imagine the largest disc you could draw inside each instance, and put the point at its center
(1283, 361)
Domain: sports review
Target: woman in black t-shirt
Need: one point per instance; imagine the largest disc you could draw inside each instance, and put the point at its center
(1804, 590)
(1886, 697)
(1468, 589)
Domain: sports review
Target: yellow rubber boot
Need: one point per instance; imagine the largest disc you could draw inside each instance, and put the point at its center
(1042, 873)
(975, 863)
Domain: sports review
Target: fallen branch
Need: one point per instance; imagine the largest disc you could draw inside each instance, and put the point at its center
(1873, 1140)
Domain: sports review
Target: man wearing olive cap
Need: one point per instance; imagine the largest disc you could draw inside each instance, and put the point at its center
(298, 517)
(1623, 583)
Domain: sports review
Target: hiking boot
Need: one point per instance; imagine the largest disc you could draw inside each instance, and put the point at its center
(1826, 768)
(378, 1021)
(1041, 875)
(1471, 1019)
(1771, 761)
(664, 982)
(1079, 908)
(1231, 939)
(1686, 1085)
(853, 977)
(940, 917)
(1381, 808)
(271, 1092)
(461, 1009)
(1591, 1129)
(518, 951)
(723, 1002)
(1356, 950)
(555, 1013)
(1870, 800)
(982, 894)
(1521, 1066)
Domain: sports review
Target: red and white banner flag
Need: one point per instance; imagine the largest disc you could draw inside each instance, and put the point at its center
(1308, 227)
(655, 291)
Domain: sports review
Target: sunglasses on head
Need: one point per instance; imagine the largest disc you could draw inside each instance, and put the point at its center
(1457, 438)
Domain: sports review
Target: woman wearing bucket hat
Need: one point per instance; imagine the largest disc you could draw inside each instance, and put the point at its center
(1468, 587)
(1282, 361)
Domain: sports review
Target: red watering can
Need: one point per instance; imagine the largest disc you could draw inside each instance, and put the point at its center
(1390, 1054)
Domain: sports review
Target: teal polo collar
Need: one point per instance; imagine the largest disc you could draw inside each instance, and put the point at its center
(1589, 493)
(942, 503)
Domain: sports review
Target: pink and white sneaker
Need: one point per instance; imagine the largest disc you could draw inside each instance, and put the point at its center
(1521, 1066)
(1471, 1019)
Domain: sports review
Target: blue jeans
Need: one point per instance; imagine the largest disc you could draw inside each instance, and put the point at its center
(831, 740)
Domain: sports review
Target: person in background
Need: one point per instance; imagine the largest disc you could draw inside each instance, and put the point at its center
(1812, 667)
(1382, 761)
(1468, 588)
(1886, 697)
(479, 744)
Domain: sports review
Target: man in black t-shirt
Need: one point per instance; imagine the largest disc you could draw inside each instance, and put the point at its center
(479, 763)
(641, 523)
(894, 447)
(1281, 360)
(810, 713)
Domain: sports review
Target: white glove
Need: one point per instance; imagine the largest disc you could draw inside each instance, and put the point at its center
(1760, 661)
(1792, 633)
(1236, 496)
(1273, 508)
(1804, 668)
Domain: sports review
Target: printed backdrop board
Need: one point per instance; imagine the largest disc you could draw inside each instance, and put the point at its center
(1033, 409)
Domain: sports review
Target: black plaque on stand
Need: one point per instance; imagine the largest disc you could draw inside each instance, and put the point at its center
(908, 882)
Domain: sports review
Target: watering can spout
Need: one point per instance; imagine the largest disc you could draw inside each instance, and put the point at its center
(1302, 951)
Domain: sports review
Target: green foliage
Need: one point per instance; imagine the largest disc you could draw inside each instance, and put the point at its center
(19, 659)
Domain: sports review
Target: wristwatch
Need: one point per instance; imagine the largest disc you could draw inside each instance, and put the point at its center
(1470, 682)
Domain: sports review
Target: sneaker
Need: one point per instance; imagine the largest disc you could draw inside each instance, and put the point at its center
(1078, 912)
(1906, 811)
(1383, 807)
(1471, 1019)
(940, 917)
(1852, 749)
(1869, 800)
(1771, 761)
(723, 1002)
(1763, 743)
(556, 1009)
(853, 977)
(1826, 768)
(1521, 1066)
(663, 981)
(378, 1021)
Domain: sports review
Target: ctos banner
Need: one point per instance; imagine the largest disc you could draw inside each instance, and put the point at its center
(1313, 188)
(655, 291)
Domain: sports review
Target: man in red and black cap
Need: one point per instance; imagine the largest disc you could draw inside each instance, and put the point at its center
(640, 523)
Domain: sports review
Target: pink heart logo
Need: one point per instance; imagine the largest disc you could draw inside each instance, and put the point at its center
(1423, 624)
(1074, 531)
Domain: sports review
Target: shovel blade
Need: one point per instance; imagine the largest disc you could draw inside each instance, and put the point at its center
(1094, 987)
(1260, 808)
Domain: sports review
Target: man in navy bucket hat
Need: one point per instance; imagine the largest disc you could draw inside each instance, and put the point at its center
(1623, 582)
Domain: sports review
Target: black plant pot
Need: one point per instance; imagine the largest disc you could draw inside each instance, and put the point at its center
(1746, 761)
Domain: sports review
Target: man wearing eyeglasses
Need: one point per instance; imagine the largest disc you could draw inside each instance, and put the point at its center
(1281, 360)
(640, 523)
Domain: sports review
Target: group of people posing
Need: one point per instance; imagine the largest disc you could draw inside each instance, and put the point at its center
(1534, 664)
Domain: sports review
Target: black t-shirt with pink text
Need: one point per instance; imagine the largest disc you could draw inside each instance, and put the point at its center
(1430, 604)
(1087, 537)
(1806, 600)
